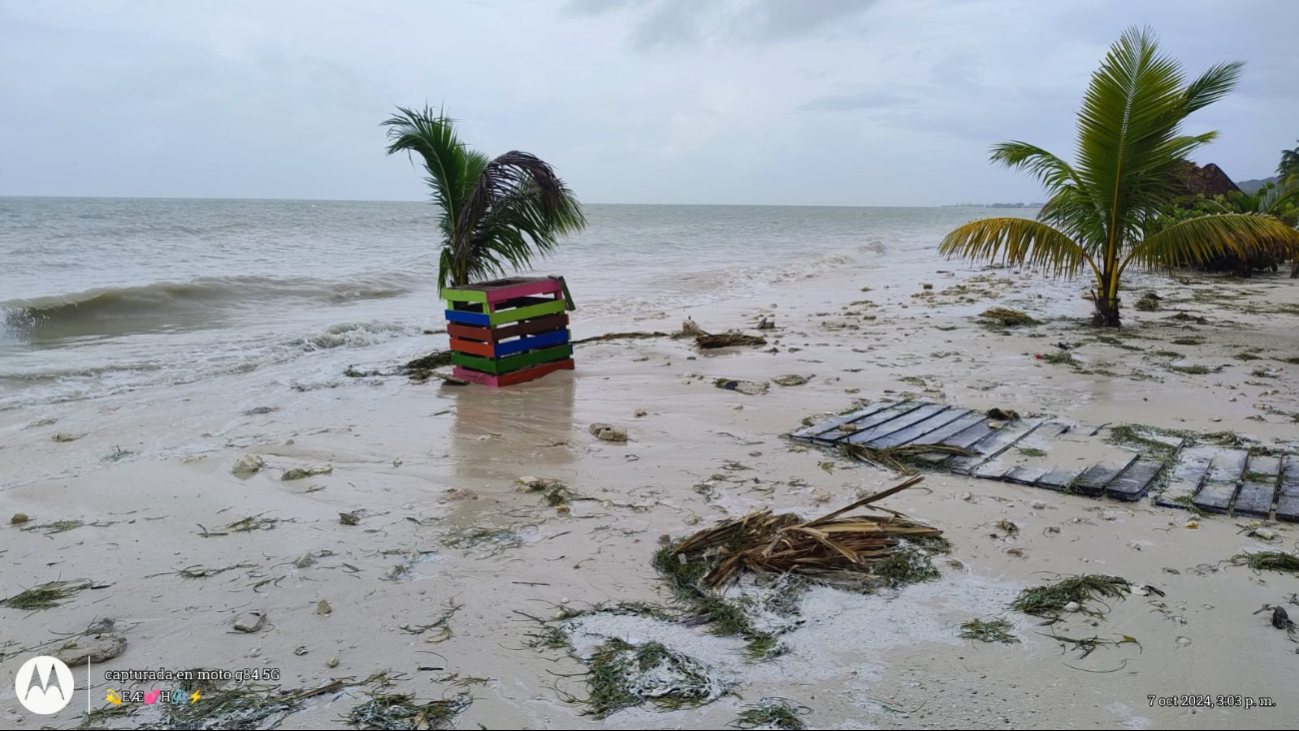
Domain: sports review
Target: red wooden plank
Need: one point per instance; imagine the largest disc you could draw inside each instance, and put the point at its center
(470, 332)
(514, 377)
(486, 350)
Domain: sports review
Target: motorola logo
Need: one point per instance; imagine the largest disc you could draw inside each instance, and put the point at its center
(44, 685)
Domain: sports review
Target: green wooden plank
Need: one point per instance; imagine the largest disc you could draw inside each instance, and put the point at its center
(514, 362)
(525, 313)
(463, 295)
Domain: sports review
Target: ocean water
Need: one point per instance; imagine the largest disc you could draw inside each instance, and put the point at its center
(102, 296)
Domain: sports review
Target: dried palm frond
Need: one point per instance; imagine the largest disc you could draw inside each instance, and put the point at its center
(709, 341)
(826, 548)
(899, 458)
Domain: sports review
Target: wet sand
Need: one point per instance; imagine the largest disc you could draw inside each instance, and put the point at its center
(424, 466)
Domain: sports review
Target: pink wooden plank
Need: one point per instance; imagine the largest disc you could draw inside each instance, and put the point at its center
(547, 286)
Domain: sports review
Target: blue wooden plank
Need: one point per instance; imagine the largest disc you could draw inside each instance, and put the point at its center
(469, 318)
(557, 337)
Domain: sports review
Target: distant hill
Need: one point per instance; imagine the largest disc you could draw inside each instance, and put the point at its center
(1252, 186)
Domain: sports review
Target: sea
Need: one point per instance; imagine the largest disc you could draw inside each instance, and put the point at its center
(105, 296)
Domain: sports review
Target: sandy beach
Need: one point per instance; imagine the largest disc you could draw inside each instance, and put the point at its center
(450, 562)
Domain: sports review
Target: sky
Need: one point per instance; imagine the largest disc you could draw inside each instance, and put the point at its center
(770, 102)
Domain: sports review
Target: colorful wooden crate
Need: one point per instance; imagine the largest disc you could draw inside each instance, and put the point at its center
(509, 331)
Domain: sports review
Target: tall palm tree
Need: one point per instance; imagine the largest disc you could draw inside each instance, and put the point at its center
(1103, 213)
(1289, 166)
(494, 211)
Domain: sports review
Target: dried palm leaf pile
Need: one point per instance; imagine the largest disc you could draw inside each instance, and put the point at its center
(707, 341)
(857, 551)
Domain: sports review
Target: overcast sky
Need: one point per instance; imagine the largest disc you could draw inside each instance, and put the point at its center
(884, 102)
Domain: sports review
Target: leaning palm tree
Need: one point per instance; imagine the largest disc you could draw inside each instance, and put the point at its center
(1104, 211)
(494, 212)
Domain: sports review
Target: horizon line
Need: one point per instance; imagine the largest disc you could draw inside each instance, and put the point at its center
(410, 200)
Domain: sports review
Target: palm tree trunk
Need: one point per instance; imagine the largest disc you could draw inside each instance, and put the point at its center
(1107, 301)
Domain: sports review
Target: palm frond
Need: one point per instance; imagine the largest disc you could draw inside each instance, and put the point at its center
(1017, 241)
(1198, 240)
(1049, 169)
(431, 135)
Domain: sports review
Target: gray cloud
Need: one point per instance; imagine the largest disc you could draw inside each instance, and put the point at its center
(891, 102)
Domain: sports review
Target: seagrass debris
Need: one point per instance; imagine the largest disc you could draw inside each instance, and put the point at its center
(836, 548)
(899, 458)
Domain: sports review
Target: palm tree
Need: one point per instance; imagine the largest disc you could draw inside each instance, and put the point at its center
(1289, 166)
(1104, 211)
(494, 211)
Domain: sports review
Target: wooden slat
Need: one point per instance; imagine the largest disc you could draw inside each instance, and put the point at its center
(961, 424)
(1262, 474)
(1135, 480)
(1094, 479)
(1025, 475)
(525, 313)
(971, 436)
(917, 431)
(809, 433)
(1287, 502)
(1222, 481)
(513, 377)
(868, 421)
(1189, 472)
(1058, 479)
(867, 436)
(512, 363)
(993, 445)
(473, 347)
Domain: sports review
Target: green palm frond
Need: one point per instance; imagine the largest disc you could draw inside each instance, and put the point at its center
(1289, 165)
(1017, 241)
(495, 212)
(1198, 240)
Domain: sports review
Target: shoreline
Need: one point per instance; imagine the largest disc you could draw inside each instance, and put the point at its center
(423, 466)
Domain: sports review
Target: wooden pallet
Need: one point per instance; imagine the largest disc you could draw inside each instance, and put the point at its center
(1213, 479)
(510, 330)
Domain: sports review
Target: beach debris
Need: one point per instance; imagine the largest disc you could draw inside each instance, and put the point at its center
(1008, 527)
(67, 437)
(306, 560)
(247, 466)
(1267, 561)
(259, 410)
(238, 704)
(689, 329)
(996, 630)
(402, 711)
(1007, 317)
(19, 519)
(298, 473)
(836, 548)
(45, 596)
(750, 388)
(608, 432)
(997, 414)
(1053, 599)
(245, 525)
(250, 622)
(765, 324)
(487, 541)
(53, 527)
(349, 518)
(624, 675)
(1149, 302)
(323, 608)
(1280, 619)
(421, 369)
(709, 341)
(640, 412)
(640, 335)
(899, 458)
(557, 493)
(92, 648)
(782, 714)
(790, 380)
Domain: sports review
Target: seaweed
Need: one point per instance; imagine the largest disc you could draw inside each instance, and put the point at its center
(1007, 317)
(45, 596)
(402, 711)
(1051, 600)
(996, 630)
(1149, 302)
(622, 675)
(772, 713)
(1267, 561)
(903, 458)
